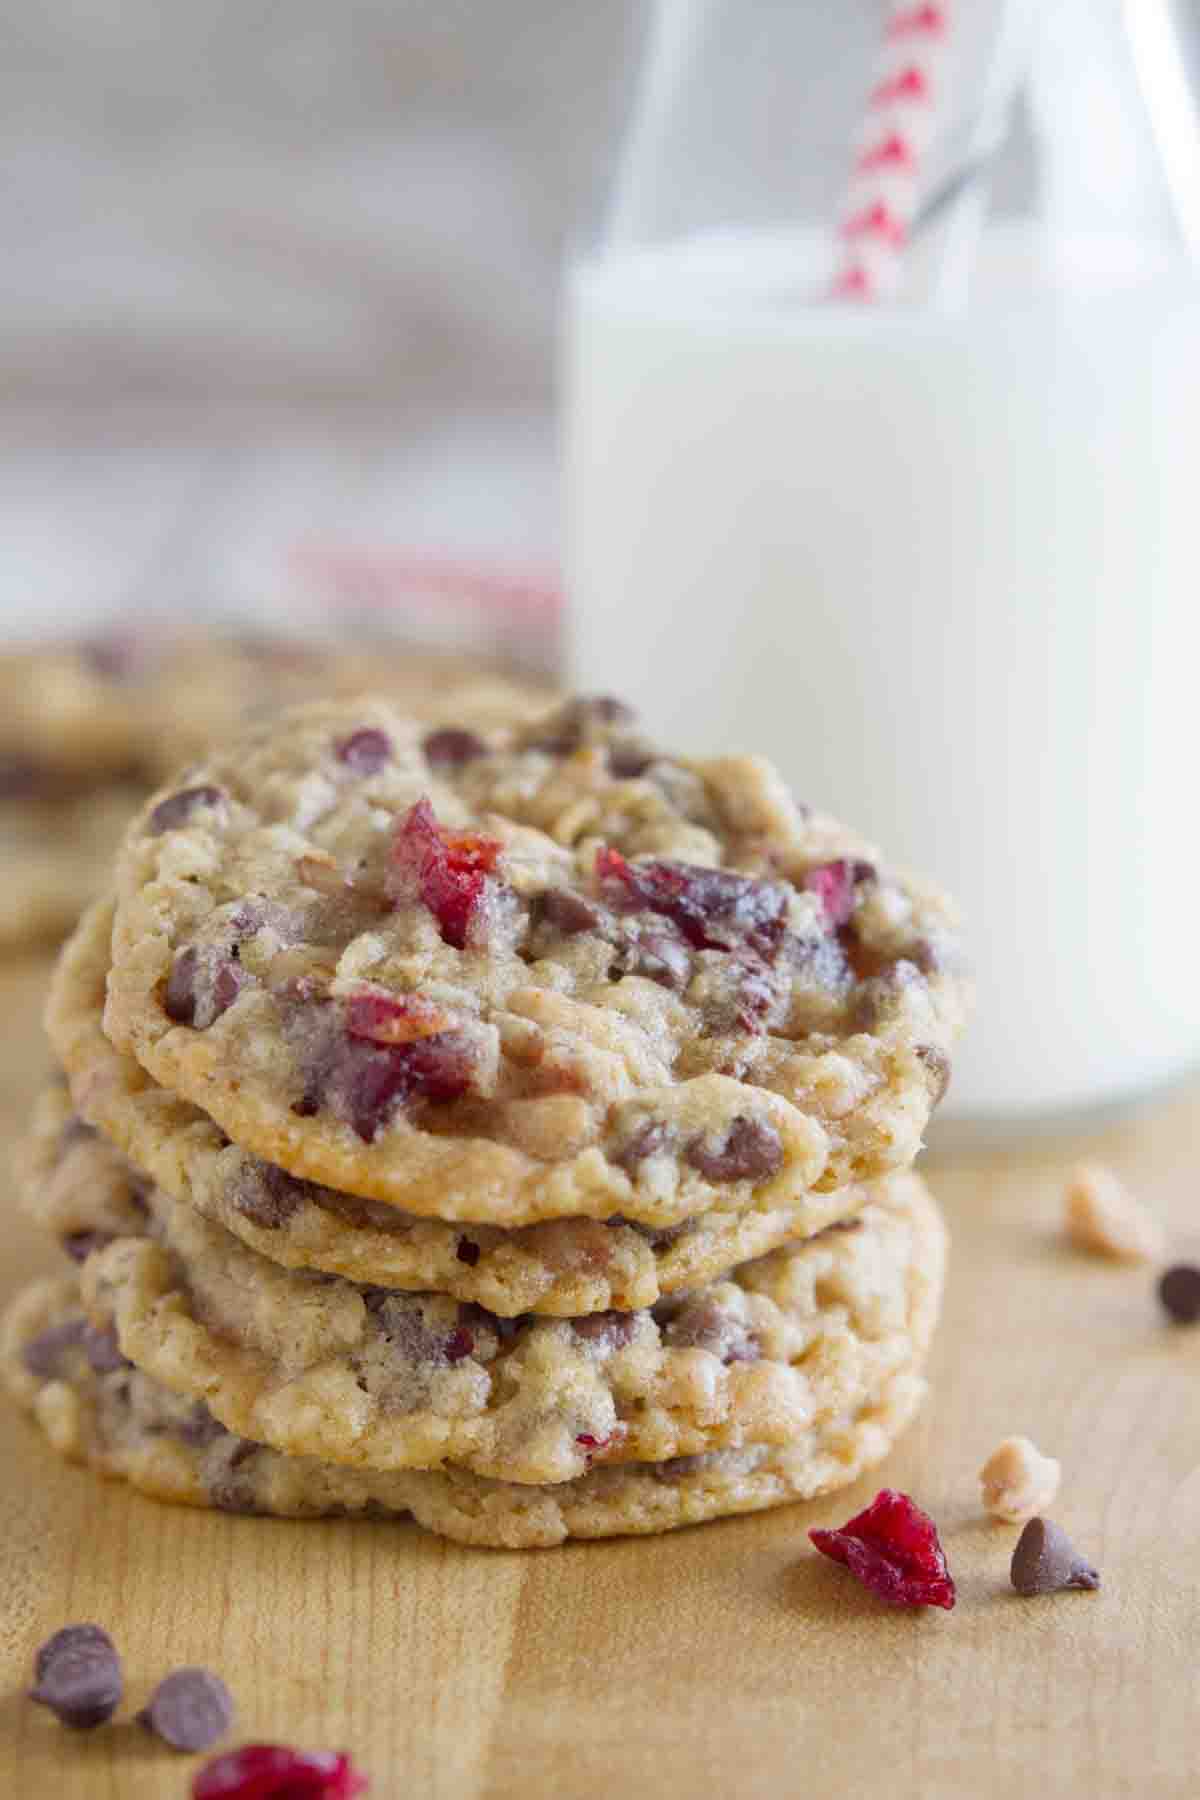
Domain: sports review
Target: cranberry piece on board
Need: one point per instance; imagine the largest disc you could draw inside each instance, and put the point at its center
(892, 1548)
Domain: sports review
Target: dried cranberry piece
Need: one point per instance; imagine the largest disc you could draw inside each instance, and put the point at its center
(460, 1343)
(364, 752)
(394, 1018)
(452, 746)
(751, 1150)
(363, 1079)
(375, 1080)
(715, 909)
(273, 1772)
(467, 1251)
(445, 870)
(892, 1548)
(178, 808)
(834, 884)
(587, 1440)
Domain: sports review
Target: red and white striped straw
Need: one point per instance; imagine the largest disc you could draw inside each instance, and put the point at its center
(898, 125)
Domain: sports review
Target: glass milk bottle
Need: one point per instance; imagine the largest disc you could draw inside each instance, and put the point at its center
(938, 557)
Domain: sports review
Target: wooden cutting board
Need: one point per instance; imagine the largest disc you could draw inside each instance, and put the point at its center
(725, 1661)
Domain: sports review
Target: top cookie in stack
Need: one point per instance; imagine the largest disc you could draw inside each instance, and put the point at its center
(468, 1093)
(555, 976)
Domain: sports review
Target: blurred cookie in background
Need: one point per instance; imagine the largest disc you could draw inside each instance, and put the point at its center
(87, 729)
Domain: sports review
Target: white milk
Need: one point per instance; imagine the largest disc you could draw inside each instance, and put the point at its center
(947, 574)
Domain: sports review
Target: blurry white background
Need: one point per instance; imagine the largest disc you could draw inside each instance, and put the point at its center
(282, 270)
(276, 270)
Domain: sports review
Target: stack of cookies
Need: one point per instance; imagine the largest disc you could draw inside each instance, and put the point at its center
(507, 1126)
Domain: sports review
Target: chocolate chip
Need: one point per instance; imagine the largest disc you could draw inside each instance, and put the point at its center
(229, 1490)
(365, 751)
(649, 1138)
(22, 779)
(118, 655)
(1045, 1562)
(65, 1638)
(268, 1196)
(751, 1150)
(452, 746)
(610, 1330)
(78, 1676)
(938, 1065)
(178, 808)
(189, 1709)
(677, 1468)
(199, 1428)
(75, 1131)
(608, 710)
(659, 1237)
(100, 1346)
(1179, 1291)
(467, 1252)
(579, 722)
(202, 985)
(43, 1354)
(79, 1245)
(628, 761)
(923, 954)
(179, 1000)
(715, 909)
(701, 1324)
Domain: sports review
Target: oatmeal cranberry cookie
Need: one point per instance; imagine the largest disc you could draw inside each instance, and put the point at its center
(566, 1266)
(379, 1378)
(74, 1184)
(97, 1410)
(56, 851)
(135, 702)
(538, 973)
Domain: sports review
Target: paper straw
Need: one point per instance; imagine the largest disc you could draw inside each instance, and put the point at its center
(901, 113)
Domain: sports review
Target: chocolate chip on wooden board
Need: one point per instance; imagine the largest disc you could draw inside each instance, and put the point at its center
(78, 1676)
(1046, 1562)
(189, 1709)
(1179, 1291)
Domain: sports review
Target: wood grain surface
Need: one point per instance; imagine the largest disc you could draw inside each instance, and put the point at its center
(727, 1660)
